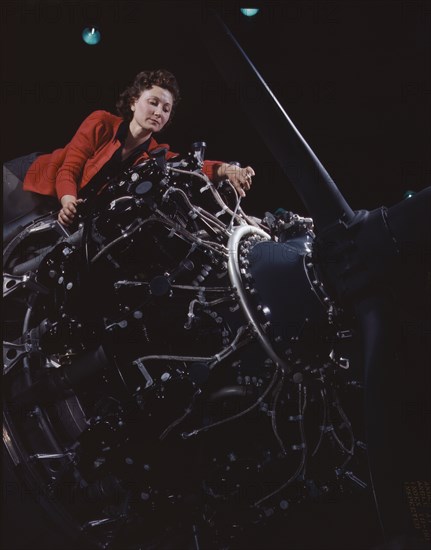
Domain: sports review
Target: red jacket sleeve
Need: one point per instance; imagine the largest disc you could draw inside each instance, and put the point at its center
(210, 169)
(60, 172)
(78, 152)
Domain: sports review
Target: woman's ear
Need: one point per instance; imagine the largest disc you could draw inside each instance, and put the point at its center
(133, 101)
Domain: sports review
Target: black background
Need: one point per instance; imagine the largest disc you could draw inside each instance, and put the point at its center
(353, 76)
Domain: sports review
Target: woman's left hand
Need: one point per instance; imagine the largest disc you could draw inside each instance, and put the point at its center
(239, 177)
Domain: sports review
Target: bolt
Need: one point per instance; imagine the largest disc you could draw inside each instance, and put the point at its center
(284, 505)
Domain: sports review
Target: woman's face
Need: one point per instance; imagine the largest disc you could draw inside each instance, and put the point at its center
(153, 109)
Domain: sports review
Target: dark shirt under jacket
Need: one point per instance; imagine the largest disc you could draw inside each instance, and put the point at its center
(116, 165)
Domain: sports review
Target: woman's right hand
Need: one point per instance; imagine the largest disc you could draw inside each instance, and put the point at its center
(68, 210)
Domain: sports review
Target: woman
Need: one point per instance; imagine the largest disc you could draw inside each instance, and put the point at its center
(105, 145)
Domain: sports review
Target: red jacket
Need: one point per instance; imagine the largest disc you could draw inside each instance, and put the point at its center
(65, 171)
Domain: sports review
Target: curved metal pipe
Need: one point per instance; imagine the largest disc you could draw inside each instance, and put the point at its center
(236, 280)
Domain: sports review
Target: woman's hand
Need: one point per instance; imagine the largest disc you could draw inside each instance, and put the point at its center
(239, 177)
(68, 210)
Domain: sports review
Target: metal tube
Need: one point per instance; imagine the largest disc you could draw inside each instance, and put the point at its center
(314, 185)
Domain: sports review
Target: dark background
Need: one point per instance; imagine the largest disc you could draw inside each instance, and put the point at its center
(353, 76)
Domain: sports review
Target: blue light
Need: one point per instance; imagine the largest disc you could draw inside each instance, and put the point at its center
(249, 12)
(409, 194)
(91, 36)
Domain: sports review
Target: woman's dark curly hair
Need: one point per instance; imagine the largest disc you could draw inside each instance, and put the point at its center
(144, 81)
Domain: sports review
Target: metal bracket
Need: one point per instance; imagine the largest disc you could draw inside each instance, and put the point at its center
(14, 282)
(13, 353)
(342, 362)
(29, 343)
(147, 376)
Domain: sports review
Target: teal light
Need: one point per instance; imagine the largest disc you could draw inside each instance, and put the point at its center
(409, 194)
(91, 36)
(249, 12)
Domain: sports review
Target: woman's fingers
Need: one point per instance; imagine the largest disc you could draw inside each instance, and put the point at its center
(242, 179)
(68, 212)
(249, 173)
(70, 209)
(239, 186)
(63, 219)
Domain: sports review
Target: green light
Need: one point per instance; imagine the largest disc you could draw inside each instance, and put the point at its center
(91, 36)
(409, 194)
(249, 12)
